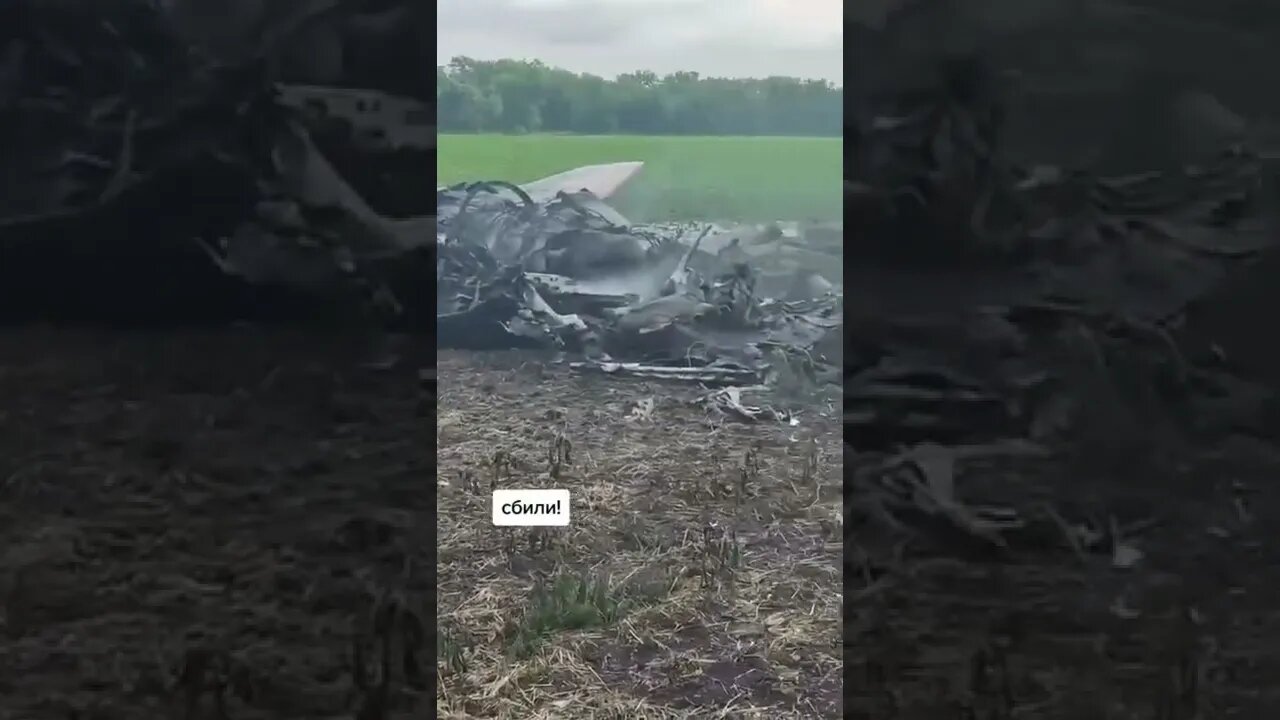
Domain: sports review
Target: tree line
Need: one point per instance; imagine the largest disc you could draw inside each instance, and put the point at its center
(518, 96)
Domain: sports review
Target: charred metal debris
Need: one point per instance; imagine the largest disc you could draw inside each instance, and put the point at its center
(1002, 313)
(665, 301)
(147, 182)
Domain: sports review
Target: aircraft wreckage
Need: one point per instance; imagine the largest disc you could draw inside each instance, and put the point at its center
(682, 301)
(990, 299)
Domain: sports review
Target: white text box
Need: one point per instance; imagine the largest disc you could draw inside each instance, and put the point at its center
(531, 508)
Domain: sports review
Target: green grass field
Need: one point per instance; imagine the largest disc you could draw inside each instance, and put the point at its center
(751, 179)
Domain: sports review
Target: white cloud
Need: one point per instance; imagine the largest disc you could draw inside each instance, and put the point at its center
(737, 38)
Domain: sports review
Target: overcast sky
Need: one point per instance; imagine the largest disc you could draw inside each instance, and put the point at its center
(728, 38)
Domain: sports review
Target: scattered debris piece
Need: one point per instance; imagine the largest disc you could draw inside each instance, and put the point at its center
(728, 402)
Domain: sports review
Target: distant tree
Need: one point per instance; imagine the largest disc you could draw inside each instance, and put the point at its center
(530, 96)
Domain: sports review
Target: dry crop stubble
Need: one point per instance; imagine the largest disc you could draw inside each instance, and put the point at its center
(700, 576)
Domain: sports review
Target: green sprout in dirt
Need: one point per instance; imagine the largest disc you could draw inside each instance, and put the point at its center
(451, 650)
(567, 602)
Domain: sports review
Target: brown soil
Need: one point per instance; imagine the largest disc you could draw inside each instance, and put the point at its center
(246, 516)
(198, 519)
(712, 545)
